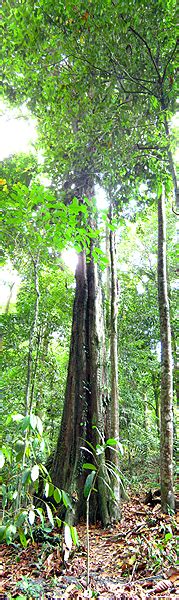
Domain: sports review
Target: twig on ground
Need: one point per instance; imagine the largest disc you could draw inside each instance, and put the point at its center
(126, 534)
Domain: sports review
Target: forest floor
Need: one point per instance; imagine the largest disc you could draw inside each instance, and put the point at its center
(135, 559)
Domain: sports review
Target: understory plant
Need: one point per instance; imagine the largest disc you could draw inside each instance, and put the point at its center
(23, 473)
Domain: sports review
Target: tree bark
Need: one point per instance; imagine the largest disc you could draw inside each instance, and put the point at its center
(166, 414)
(114, 401)
(32, 339)
(9, 298)
(171, 164)
(156, 392)
(96, 378)
(67, 464)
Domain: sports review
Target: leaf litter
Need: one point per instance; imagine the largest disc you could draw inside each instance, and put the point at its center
(134, 559)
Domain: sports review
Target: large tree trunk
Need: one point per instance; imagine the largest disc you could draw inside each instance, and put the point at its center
(166, 414)
(83, 413)
(67, 463)
(95, 388)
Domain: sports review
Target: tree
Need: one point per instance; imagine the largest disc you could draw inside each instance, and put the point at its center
(83, 413)
(93, 106)
(113, 401)
(166, 446)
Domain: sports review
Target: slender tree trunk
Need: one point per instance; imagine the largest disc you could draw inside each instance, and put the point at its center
(175, 369)
(166, 414)
(171, 163)
(156, 392)
(32, 339)
(34, 374)
(29, 392)
(114, 401)
(9, 298)
(145, 412)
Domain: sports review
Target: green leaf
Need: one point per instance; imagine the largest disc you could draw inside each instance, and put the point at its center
(7, 453)
(43, 469)
(97, 251)
(114, 442)
(74, 535)
(26, 475)
(10, 533)
(35, 472)
(159, 189)
(59, 522)
(21, 518)
(168, 536)
(90, 446)
(111, 442)
(28, 450)
(51, 489)
(57, 495)
(25, 423)
(23, 538)
(89, 484)
(109, 488)
(66, 500)
(19, 447)
(2, 532)
(9, 420)
(154, 102)
(89, 466)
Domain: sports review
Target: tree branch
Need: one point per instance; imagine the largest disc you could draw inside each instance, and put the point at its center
(140, 147)
(137, 34)
(174, 211)
(113, 61)
(169, 60)
(171, 163)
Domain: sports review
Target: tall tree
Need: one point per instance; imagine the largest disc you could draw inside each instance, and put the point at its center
(166, 446)
(114, 398)
(83, 414)
(123, 94)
